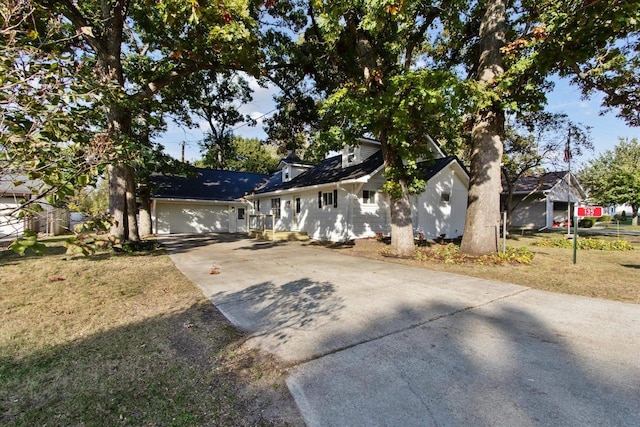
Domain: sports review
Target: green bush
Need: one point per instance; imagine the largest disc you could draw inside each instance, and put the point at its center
(586, 222)
(586, 243)
(605, 218)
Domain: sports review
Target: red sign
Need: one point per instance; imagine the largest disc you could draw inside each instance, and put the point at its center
(596, 211)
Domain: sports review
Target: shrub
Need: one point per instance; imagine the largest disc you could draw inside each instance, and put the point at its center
(605, 218)
(586, 222)
(586, 243)
(450, 254)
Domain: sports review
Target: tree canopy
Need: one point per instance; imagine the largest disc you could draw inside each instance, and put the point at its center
(613, 178)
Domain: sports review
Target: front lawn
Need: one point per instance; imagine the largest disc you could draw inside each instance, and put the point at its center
(611, 275)
(120, 339)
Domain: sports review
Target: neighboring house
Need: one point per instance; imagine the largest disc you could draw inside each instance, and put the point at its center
(341, 197)
(210, 202)
(13, 189)
(543, 200)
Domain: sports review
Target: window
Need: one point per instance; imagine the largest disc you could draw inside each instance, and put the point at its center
(297, 205)
(368, 197)
(351, 154)
(445, 197)
(328, 199)
(240, 213)
(256, 205)
(275, 208)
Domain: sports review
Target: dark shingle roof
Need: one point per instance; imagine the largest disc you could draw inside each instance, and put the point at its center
(328, 171)
(432, 168)
(207, 185)
(537, 182)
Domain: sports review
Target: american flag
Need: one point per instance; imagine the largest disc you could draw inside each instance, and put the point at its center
(567, 149)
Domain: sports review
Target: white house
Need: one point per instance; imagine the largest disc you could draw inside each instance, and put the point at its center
(341, 197)
(338, 199)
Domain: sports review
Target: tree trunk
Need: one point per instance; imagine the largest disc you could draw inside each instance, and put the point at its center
(401, 224)
(634, 215)
(402, 243)
(132, 207)
(117, 201)
(145, 227)
(482, 225)
(109, 70)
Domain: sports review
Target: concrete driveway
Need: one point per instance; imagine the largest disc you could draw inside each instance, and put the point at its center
(374, 343)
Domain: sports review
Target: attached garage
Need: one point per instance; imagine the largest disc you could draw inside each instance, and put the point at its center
(190, 217)
(212, 202)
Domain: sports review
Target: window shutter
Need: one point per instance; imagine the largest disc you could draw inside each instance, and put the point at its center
(320, 199)
(335, 198)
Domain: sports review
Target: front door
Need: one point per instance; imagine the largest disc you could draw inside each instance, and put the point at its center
(241, 220)
(295, 226)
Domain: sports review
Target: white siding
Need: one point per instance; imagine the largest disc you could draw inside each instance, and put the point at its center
(9, 226)
(369, 219)
(190, 217)
(368, 150)
(327, 222)
(434, 217)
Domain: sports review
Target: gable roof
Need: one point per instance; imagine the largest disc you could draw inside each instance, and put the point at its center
(432, 168)
(328, 171)
(537, 182)
(293, 159)
(209, 184)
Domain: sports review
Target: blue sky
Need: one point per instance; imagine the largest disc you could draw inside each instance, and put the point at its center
(605, 129)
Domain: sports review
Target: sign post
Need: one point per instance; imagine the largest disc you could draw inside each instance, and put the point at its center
(575, 238)
(583, 211)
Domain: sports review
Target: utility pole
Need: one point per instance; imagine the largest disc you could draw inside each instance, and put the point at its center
(183, 143)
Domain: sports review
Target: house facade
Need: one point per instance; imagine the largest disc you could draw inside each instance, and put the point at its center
(545, 200)
(341, 198)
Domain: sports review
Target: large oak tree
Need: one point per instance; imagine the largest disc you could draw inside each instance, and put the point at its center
(136, 48)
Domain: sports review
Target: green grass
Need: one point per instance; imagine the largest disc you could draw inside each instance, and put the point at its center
(124, 340)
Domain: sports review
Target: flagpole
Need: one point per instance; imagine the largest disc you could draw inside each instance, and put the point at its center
(567, 158)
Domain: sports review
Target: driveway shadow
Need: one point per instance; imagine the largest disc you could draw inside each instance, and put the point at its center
(277, 312)
(503, 365)
(180, 243)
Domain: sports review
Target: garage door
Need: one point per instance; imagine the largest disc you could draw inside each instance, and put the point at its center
(191, 218)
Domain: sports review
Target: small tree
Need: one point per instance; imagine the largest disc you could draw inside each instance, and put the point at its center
(614, 176)
(252, 155)
(214, 97)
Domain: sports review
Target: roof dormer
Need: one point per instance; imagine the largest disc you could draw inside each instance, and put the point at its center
(292, 166)
(356, 154)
